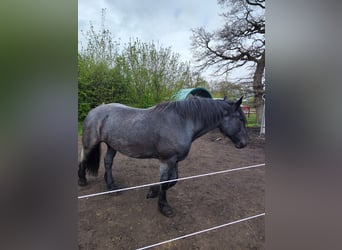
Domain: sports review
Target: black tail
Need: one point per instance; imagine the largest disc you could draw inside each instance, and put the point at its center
(93, 160)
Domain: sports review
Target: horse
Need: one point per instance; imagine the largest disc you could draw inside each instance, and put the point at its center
(164, 131)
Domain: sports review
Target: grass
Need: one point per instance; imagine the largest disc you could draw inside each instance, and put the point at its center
(252, 121)
(79, 128)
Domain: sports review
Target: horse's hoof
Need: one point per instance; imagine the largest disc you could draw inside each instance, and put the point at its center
(166, 211)
(82, 182)
(153, 192)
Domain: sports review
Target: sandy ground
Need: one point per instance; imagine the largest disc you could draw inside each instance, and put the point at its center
(128, 220)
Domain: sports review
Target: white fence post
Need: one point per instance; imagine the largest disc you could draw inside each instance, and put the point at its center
(263, 125)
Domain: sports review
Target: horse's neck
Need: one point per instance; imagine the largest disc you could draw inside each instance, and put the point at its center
(201, 129)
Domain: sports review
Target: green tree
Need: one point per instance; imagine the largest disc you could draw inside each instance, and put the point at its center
(196, 80)
(154, 72)
(100, 47)
(98, 80)
(140, 74)
(83, 90)
(231, 90)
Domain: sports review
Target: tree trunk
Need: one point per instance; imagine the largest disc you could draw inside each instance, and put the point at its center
(258, 87)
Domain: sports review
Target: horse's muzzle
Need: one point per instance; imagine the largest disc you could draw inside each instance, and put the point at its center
(241, 144)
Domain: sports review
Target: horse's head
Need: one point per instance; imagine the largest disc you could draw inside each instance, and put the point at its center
(234, 124)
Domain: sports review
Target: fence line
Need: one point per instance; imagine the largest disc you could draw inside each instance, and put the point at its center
(179, 179)
(202, 231)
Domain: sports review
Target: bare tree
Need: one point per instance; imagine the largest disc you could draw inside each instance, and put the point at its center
(240, 42)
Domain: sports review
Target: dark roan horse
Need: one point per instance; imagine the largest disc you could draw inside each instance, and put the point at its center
(164, 132)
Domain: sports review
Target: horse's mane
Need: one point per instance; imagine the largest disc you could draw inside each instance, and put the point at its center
(197, 108)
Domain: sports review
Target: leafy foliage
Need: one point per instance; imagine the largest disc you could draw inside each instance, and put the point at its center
(154, 73)
(140, 75)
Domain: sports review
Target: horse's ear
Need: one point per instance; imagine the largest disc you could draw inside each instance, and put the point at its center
(225, 98)
(238, 103)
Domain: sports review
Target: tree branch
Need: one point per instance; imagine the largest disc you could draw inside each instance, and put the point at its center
(257, 3)
(240, 41)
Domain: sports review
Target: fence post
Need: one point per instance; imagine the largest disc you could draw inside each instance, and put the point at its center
(263, 125)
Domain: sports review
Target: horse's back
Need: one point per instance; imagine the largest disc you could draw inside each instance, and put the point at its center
(113, 114)
(117, 121)
(110, 109)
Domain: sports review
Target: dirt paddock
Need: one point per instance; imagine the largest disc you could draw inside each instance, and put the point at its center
(128, 220)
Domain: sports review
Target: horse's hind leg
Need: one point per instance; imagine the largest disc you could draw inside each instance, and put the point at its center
(108, 161)
(82, 180)
(153, 192)
(168, 171)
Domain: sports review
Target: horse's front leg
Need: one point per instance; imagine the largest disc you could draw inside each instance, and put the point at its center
(108, 161)
(168, 171)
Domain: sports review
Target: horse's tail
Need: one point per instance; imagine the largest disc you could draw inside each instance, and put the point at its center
(91, 151)
(91, 160)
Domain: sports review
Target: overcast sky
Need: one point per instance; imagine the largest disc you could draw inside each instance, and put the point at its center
(167, 23)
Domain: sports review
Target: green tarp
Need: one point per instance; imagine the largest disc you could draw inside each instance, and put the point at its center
(188, 93)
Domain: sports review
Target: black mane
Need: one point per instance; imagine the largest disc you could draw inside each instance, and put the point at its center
(197, 108)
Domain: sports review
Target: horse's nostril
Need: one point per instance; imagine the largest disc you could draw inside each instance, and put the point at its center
(241, 144)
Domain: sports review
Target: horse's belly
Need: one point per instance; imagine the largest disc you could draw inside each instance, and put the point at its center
(138, 152)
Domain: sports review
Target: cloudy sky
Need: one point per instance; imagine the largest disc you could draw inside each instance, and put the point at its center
(167, 23)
